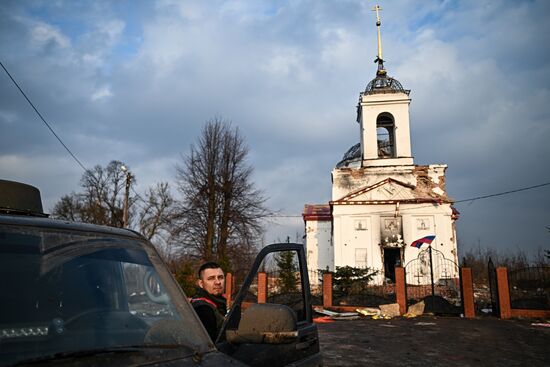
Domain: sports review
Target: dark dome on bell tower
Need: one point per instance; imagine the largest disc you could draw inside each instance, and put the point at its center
(385, 84)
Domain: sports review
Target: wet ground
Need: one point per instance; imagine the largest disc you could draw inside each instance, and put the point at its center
(435, 341)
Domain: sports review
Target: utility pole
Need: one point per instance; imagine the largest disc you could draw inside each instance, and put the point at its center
(126, 195)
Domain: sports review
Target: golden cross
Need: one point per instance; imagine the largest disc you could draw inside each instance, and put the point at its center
(377, 8)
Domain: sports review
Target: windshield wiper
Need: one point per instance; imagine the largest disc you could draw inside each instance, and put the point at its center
(107, 350)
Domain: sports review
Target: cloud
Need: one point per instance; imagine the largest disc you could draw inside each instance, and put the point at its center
(101, 93)
(53, 175)
(8, 117)
(44, 35)
(137, 85)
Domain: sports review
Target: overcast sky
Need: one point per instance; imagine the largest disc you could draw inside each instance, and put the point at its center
(136, 80)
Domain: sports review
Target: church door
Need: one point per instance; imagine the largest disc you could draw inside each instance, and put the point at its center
(392, 258)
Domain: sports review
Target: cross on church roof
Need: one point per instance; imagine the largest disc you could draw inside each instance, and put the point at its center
(379, 59)
(382, 83)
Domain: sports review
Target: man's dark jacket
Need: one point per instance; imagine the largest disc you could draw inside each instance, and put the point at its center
(211, 310)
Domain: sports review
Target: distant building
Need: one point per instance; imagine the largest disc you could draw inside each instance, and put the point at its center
(381, 201)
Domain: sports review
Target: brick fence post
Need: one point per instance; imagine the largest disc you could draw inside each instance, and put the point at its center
(262, 287)
(228, 287)
(327, 290)
(400, 290)
(503, 293)
(467, 286)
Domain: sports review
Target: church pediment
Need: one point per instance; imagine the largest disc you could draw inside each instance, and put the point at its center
(388, 190)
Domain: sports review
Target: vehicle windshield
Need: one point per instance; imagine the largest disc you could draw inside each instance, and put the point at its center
(66, 291)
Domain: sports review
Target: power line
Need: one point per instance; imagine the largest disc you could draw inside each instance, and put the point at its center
(43, 119)
(271, 216)
(475, 198)
(430, 205)
(50, 127)
(503, 193)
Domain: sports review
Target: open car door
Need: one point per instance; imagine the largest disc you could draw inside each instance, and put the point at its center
(279, 332)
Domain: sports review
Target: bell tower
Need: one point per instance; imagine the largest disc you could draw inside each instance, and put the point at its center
(383, 117)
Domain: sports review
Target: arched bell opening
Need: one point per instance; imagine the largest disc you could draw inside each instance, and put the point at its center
(385, 135)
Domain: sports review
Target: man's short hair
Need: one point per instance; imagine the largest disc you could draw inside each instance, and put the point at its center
(208, 265)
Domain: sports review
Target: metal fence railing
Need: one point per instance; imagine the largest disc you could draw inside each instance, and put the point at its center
(435, 279)
(351, 290)
(530, 288)
(365, 296)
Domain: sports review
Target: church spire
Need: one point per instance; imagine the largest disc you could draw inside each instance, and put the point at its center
(381, 71)
(382, 83)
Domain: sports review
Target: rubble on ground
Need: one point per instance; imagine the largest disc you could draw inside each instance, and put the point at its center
(391, 310)
(415, 310)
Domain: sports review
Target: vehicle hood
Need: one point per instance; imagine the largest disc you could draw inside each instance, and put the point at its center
(210, 359)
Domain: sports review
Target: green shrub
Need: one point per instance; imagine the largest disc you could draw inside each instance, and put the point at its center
(350, 280)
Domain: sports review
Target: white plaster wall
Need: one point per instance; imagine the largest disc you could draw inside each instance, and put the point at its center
(346, 239)
(319, 248)
(353, 239)
(440, 226)
(373, 105)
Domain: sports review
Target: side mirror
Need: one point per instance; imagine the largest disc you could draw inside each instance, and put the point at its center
(265, 324)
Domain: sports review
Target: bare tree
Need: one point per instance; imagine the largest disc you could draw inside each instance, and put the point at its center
(221, 210)
(68, 207)
(101, 201)
(155, 217)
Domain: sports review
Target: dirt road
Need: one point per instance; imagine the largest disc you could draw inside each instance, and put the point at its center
(435, 341)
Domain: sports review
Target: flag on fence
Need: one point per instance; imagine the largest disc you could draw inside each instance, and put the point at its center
(418, 243)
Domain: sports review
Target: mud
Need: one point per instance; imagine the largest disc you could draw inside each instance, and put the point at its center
(435, 341)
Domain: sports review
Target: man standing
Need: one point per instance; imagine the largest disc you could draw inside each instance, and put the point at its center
(208, 302)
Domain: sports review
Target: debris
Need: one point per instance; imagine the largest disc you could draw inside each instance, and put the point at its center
(323, 320)
(541, 324)
(337, 315)
(415, 310)
(354, 317)
(368, 311)
(388, 325)
(381, 317)
(391, 310)
(374, 312)
(333, 313)
(420, 323)
(487, 310)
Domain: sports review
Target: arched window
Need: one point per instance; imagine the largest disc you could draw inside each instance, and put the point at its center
(385, 133)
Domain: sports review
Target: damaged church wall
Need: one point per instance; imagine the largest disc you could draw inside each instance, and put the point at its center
(356, 237)
(381, 201)
(428, 180)
(415, 195)
(429, 220)
(319, 248)
(357, 232)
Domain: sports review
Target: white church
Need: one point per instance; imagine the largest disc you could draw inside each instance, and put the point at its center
(381, 201)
